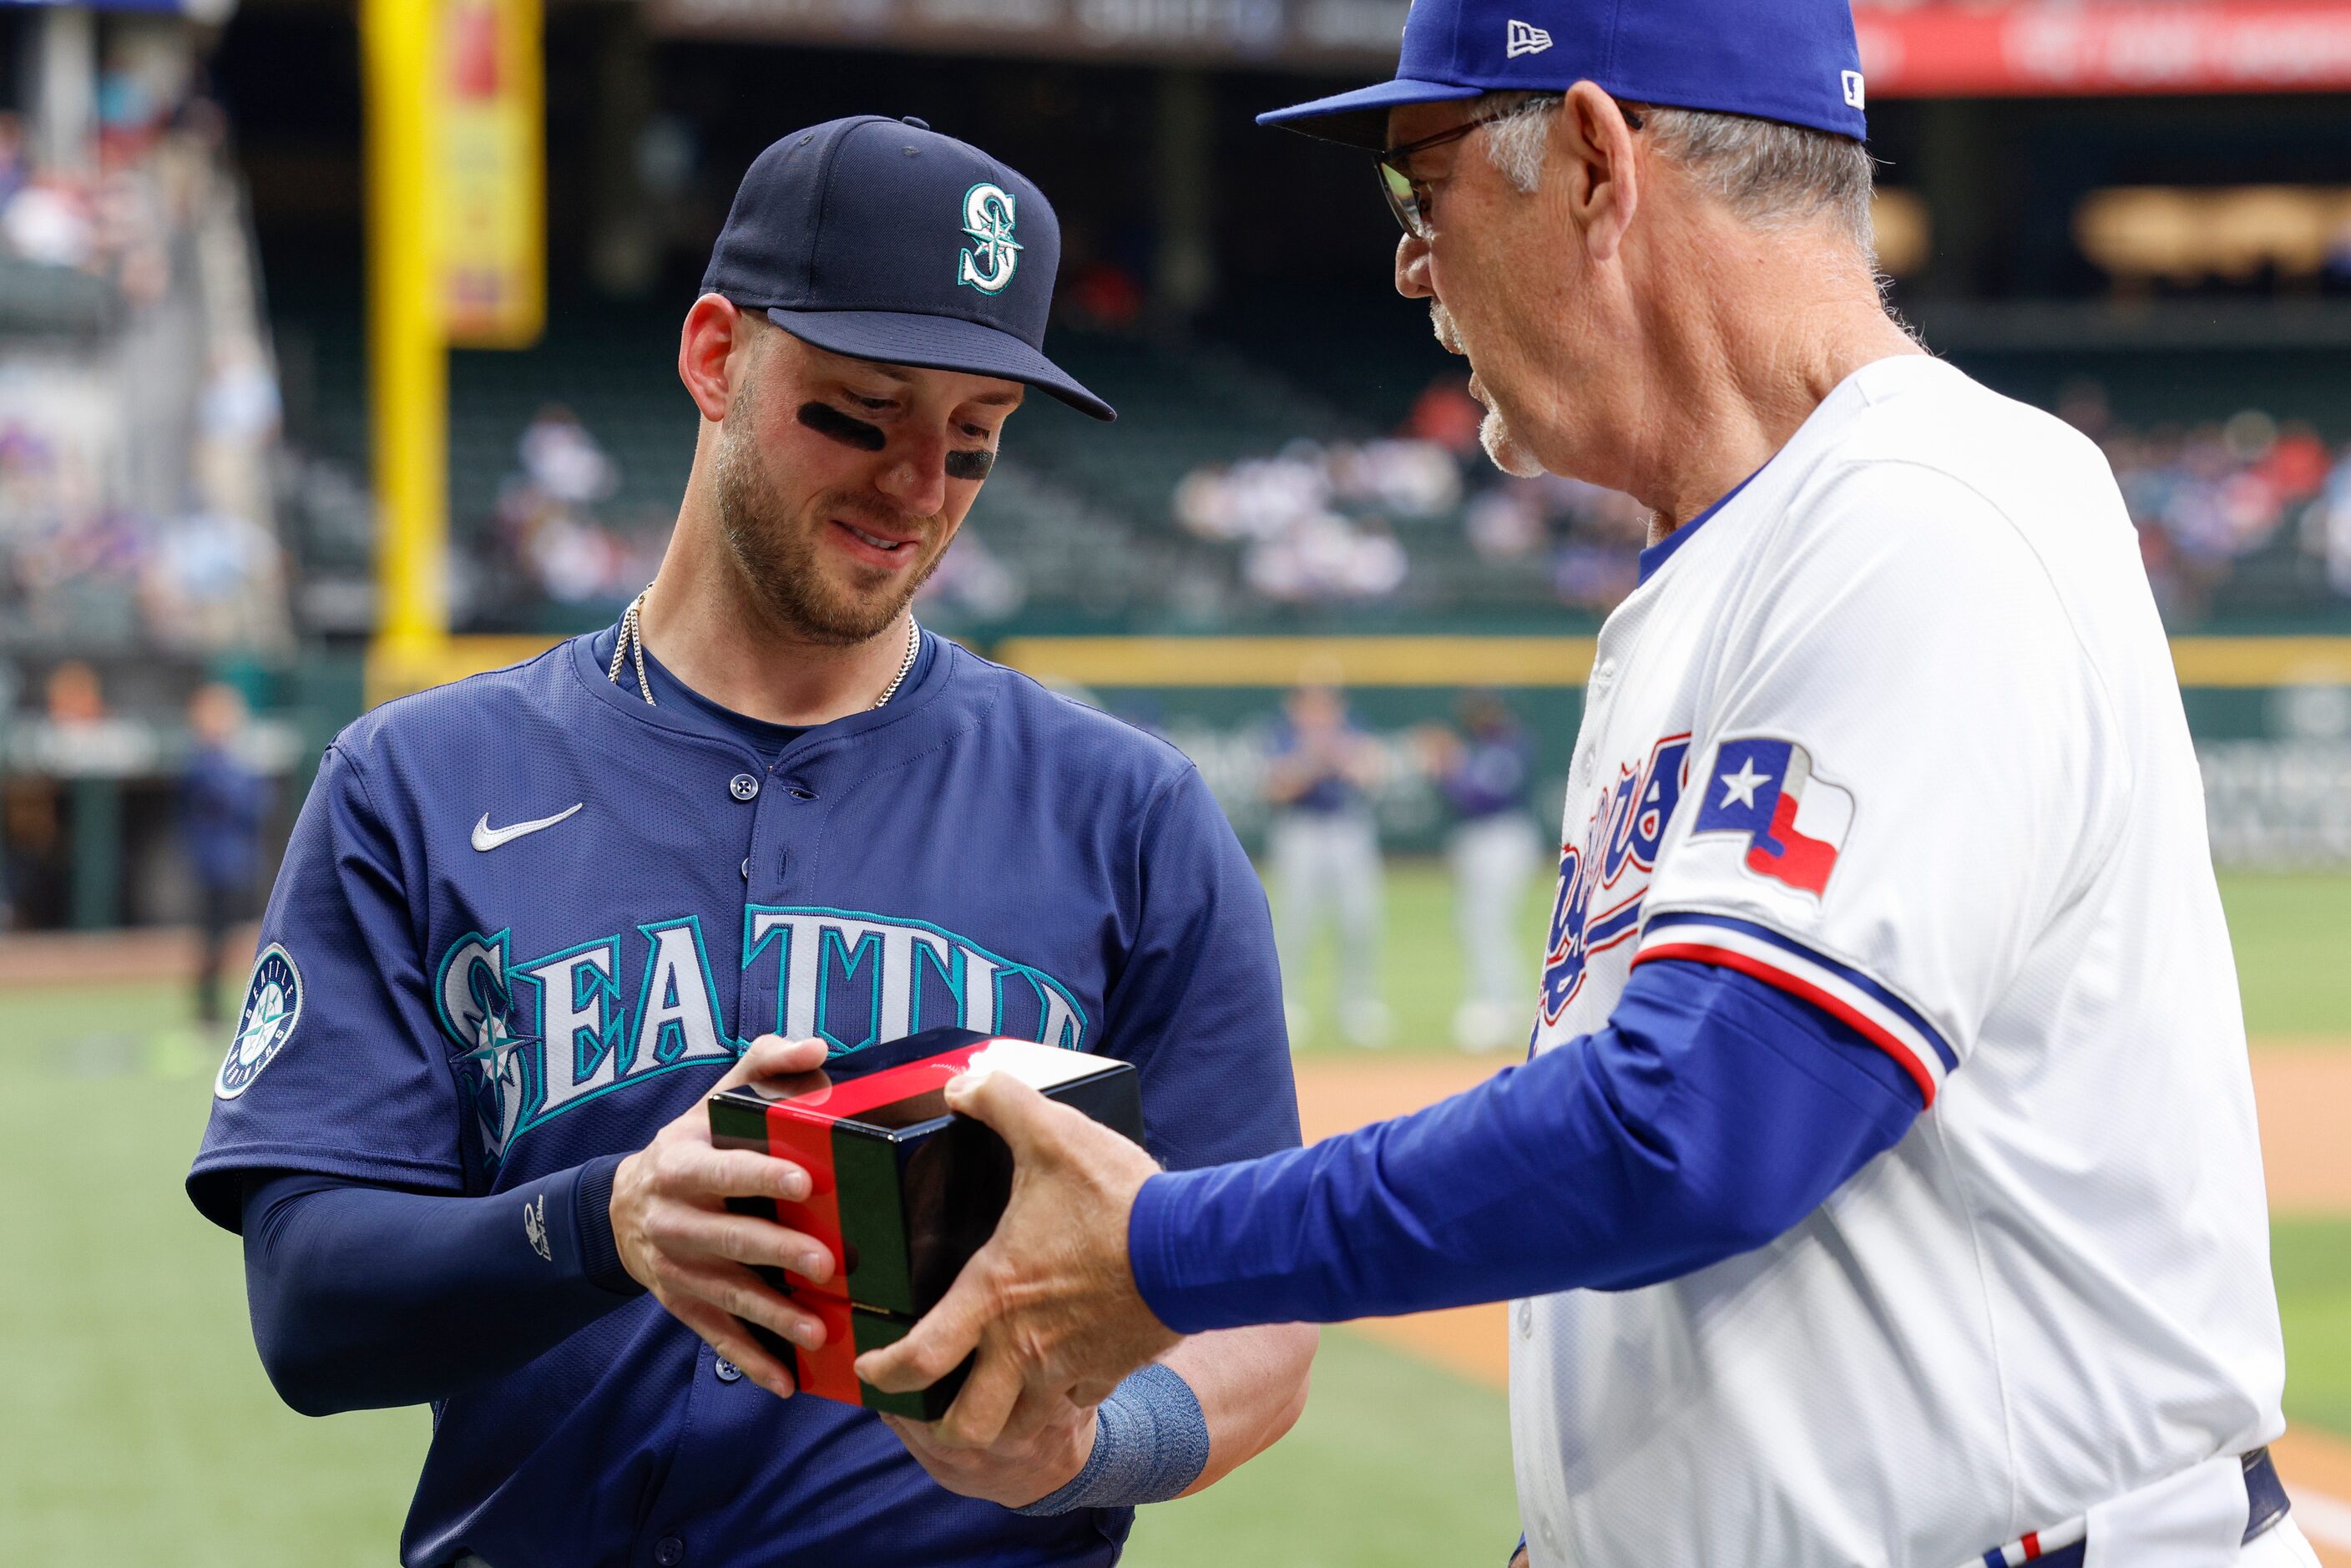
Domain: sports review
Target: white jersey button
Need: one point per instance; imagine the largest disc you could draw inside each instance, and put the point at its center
(1526, 1320)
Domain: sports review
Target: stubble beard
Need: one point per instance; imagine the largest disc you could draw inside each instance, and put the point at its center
(1503, 447)
(777, 557)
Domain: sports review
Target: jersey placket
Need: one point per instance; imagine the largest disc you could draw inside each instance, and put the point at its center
(783, 825)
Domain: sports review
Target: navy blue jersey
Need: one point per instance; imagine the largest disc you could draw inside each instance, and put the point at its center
(1333, 791)
(1489, 779)
(449, 1004)
(221, 805)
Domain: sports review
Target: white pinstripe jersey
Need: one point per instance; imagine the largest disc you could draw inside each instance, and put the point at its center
(1896, 729)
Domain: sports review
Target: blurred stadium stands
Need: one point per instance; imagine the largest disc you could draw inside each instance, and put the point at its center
(1253, 477)
(2146, 226)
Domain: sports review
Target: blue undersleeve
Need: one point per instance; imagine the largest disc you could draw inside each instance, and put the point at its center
(364, 1296)
(1710, 1117)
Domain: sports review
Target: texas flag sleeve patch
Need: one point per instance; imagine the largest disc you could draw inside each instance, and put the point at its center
(1794, 823)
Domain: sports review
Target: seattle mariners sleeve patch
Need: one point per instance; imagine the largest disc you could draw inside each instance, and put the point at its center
(272, 1005)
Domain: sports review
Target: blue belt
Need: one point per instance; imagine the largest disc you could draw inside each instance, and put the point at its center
(2266, 1503)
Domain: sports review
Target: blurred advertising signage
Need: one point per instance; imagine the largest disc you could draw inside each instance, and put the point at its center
(211, 11)
(1349, 32)
(1942, 51)
(493, 174)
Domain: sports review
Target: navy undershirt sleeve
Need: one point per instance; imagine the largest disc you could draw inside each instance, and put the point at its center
(364, 1296)
(1710, 1117)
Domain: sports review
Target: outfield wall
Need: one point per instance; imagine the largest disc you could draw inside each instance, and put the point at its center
(2271, 716)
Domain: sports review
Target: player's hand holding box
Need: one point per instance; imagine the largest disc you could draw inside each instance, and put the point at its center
(901, 1190)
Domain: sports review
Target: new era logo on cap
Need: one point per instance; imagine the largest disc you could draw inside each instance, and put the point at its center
(1776, 59)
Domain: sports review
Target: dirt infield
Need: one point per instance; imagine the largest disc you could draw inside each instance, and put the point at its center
(75, 958)
(2303, 1094)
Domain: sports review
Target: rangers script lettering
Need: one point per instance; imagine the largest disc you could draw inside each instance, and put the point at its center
(1625, 828)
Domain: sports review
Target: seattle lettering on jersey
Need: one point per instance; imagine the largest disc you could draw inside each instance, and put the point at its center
(542, 1035)
(1627, 824)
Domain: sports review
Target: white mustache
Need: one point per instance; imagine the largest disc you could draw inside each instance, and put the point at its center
(1440, 320)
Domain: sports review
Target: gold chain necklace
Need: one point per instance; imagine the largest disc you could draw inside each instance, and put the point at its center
(630, 645)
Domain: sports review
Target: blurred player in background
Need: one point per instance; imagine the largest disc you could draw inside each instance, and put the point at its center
(1326, 848)
(1483, 771)
(223, 805)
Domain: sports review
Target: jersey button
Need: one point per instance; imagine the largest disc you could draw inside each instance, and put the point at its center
(1526, 1320)
(669, 1551)
(746, 868)
(742, 786)
(726, 1370)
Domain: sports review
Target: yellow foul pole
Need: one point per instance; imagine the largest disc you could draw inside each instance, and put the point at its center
(407, 358)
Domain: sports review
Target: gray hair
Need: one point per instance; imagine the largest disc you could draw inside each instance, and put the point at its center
(1770, 174)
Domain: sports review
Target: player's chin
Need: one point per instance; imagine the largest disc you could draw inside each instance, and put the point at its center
(860, 602)
(1504, 449)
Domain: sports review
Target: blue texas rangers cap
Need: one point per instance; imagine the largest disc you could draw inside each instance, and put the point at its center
(881, 239)
(1791, 60)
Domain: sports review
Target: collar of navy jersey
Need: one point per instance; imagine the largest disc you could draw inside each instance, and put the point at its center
(764, 737)
(591, 655)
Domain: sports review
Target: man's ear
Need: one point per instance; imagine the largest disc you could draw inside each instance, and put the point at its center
(713, 334)
(1592, 146)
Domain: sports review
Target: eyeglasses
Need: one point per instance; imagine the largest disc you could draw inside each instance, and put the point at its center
(1410, 198)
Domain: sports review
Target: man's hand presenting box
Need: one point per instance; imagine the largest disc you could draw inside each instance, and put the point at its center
(1049, 1303)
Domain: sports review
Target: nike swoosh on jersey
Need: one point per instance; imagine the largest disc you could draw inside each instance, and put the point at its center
(488, 838)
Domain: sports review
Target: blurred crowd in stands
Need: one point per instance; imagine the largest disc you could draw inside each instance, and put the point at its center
(1315, 522)
(552, 528)
(139, 407)
(2212, 499)
(1318, 522)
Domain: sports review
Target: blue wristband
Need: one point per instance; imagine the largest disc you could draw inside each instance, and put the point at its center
(1150, 1441)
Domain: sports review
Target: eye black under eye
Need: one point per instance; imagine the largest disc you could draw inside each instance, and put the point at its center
(973, 464)
(830, 423)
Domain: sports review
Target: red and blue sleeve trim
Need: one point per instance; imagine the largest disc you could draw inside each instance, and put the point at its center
(1883, 1018)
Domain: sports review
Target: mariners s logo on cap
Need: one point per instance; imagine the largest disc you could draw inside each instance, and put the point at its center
(988, 215)
(273, 1006)
(819, 239)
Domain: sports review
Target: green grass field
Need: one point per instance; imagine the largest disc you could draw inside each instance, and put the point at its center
(138, 1427)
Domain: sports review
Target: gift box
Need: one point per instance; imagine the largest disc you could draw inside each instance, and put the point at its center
(901, 1190)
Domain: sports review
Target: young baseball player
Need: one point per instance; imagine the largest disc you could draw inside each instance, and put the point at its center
(528, 921)
(1885, 1187)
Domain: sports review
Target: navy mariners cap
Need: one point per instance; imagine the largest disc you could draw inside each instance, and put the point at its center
(881, 239)
(1791, 60)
